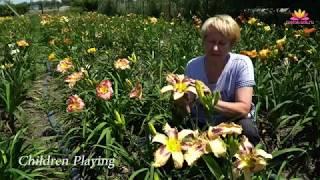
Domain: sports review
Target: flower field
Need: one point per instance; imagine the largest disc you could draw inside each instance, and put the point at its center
(106, 86)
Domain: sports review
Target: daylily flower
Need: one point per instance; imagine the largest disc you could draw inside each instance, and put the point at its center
(171, 146)
(136, 92)
(22, 43)
(91, 50)
(73, 78)
(251, 54)
(264, 53)
(180, 85)
(153, 20)
(52, 56)
(196, 147)
(104, 90)
(225, 129)
(217, 145)
(196, 22)
(67, 41)
(308, 31)
(52, 42)
(267, 28)
(249, 159)
(64, 65)
(122, 64)
(252, 20)
(75, 104)
(6, 66)
(281, 42)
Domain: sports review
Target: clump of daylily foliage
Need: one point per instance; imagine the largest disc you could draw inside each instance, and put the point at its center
(222, 140)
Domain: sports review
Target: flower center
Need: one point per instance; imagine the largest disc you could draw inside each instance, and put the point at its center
(173, 145)
(104, 89)
(181, 87)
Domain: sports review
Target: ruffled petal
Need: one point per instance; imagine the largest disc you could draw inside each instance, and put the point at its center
(218, 147)
(166, 88)
(185, 132)
(160, 138)
(192, 155)
(263, 154)
(177, 95)
(178, 159)
(161, 156)
(192, 90)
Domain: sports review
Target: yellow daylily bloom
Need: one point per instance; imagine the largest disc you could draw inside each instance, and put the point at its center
(281, 42)
(264, 53)
(52, 56)
(252, 20)
(171, 146)
(251, 54)
(91, 50)
(180, 85)
(22, 43)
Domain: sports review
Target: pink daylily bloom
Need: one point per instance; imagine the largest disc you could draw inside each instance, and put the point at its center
(104, 90)
(75, 104)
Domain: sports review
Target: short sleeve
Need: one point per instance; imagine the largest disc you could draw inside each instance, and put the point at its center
(245, 73)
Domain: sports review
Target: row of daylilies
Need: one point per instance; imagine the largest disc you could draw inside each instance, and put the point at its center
(190, 145)
(104, 88)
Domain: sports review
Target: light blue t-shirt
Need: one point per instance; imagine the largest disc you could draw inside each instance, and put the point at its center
(238, 72)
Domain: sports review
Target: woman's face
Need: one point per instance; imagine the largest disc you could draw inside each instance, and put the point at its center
(216, 45)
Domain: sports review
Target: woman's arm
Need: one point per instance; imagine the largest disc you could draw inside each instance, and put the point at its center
(240, 108)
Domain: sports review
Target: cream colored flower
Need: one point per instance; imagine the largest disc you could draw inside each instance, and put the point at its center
(153, 20)
(171, 146)
(122, 64)
(224, 129)
(267, 28)
(73, 78)
(65, 65)
(249, 159)
(180, 85)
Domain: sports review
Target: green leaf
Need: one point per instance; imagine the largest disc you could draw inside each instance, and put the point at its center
(135, 173)
(287, 150)
(213, 166)
(100, 126)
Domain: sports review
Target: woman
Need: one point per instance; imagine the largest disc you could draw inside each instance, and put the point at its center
(231, 74)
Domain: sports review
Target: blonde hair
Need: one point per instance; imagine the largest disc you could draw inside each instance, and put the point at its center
(225, 24)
